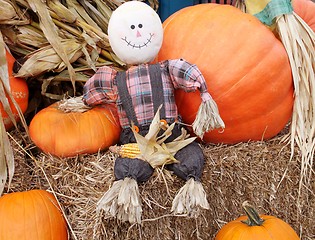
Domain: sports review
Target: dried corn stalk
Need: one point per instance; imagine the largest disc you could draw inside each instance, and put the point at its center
(6, 158)
(46, 59)
(49, 24)
(6, 151)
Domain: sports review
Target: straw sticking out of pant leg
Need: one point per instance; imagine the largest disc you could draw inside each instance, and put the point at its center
(190, 198)
(122, 201)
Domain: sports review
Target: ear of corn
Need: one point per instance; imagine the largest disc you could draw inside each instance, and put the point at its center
(129, 150)
(151, 148)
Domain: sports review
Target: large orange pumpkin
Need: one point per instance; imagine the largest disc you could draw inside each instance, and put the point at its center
(306, 10)
(66, 134)
(19, 91)
(255, 226)
(33, 215)
(246, 68)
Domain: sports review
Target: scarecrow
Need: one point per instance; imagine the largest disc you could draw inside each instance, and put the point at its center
(144, 96)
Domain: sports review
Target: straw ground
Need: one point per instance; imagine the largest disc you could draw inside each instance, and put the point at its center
(260, 172)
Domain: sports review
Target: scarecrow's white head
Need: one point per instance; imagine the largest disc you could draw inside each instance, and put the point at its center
(135, 32)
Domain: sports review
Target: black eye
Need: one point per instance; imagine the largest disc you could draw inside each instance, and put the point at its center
(140, 25)
(132, 26)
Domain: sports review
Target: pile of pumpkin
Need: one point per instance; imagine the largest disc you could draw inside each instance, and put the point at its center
(248, 75)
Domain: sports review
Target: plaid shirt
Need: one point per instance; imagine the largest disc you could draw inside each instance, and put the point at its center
(102, 88)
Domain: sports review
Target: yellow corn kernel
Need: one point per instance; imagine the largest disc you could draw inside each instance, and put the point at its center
(129, 150)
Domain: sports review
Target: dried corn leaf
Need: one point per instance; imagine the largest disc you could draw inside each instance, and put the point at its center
(96, 15)
(240, 4)
(4, 144)
(7, 11)
(81, 14)
(104, 9)
(11, 39)
(5, 84)
(99, 35)
(63, 13)
(56, 82)
(31, 36)
(11, 14)
(51, 33)
(6, 151)
(63, 76)
(46, 59)
(153, 149)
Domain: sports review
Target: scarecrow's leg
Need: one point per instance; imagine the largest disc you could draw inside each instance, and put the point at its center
(123, 200)
(191, 196)
(191, 162)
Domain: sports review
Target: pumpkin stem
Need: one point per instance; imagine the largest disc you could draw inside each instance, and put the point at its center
(253, 217)
(74, 104)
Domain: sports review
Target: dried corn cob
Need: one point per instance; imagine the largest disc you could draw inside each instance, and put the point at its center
(129, 150)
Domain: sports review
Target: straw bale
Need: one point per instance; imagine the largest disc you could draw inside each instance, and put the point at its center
(256, 171)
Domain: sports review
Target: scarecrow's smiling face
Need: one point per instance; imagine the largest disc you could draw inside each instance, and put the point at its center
(135, 32)
(136, 39)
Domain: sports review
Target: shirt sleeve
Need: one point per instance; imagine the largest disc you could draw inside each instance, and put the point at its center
(188, 77)
(100, 88)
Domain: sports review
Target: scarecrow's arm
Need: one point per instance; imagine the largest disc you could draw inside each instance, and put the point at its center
(99, 89)
(186, 76)
(189, 78)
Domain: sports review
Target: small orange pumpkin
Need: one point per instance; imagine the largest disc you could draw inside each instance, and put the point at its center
(19, 91)
(255, 226)
(306, 10)
(67, 134)
(33, 215)
(245, 66)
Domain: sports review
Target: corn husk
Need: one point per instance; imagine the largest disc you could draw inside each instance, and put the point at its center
(75, 104)
(207, 118)
(299, 41)
(122, 201)
(190, 199)
(152, 147)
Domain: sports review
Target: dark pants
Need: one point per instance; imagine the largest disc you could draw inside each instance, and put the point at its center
(191, 159)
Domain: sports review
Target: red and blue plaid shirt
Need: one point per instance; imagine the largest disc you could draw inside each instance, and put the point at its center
(102, 88)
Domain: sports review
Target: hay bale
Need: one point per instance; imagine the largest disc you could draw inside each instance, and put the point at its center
(256, 171)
